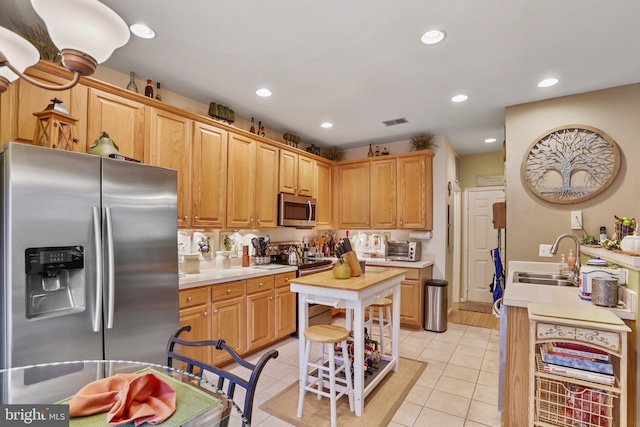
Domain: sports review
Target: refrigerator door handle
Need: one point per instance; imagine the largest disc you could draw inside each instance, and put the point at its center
(110, 269)
(98, 248)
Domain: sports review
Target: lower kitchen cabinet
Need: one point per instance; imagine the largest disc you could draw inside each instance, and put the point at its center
(412, 297)
(260, 312)
(194, 312)
(285, 305)
(228, 318)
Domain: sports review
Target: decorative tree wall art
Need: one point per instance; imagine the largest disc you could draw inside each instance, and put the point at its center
(570, 164)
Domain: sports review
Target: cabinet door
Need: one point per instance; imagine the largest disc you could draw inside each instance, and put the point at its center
(169, 147)
(383, 193)
(228, 323)
(260, 319)
(22, 99)
(208, 176)
(121, 118)
(324, 205)
(306, 176)
(354, 201)
(285, 308)
(411, 303)
(288, 172)
(415, 193)
(241, 181)
(266, 187)
(198, 318)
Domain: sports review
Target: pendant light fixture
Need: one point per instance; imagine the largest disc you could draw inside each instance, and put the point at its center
(86, 32)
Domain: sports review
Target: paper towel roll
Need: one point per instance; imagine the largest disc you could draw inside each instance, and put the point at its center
(420, 235)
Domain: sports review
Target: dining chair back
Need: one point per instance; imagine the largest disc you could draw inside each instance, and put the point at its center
(198, 367)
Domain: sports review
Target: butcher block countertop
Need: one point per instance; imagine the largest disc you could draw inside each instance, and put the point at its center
(372, 276)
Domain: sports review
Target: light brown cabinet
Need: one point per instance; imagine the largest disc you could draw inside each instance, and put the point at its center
(252, 183)
(412, 297)
(386, 193)
(123, 119)
(324, 196)
(228, 318)
(297, 174)
(208, 176)
(171, 136)
(260, 312)
(285, 305)
(353, 195)
(195, 313)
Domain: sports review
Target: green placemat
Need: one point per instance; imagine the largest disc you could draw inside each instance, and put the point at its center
(190, 402)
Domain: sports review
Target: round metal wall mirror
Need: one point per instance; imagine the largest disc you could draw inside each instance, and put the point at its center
(570, 164)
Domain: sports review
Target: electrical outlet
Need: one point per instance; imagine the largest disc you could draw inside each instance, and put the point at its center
(545, 250)
(576, 220)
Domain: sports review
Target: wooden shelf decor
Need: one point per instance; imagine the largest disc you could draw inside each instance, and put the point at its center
(570, 164)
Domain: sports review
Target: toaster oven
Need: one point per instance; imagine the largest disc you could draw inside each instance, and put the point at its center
(399, 250)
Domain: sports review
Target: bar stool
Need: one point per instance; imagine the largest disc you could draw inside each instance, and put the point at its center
(380, 321)
(327, 335)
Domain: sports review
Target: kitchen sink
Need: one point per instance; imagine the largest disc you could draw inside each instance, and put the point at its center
(543, 279)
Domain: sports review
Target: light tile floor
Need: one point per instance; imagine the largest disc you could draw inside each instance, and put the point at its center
(459, 386)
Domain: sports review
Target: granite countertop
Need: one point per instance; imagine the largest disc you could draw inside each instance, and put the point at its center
(521, 294)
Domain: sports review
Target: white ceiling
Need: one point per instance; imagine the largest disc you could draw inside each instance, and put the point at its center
(357, 63)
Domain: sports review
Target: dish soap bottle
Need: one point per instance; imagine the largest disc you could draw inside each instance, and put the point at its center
(571, 260)
(564, 269)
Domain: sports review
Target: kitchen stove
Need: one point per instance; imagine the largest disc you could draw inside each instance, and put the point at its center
(279, 253)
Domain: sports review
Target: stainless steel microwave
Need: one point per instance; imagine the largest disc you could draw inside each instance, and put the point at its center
(396, 250)
(296, 211)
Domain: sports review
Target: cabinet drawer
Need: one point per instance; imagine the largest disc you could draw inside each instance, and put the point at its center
(259, 284)
(283, 279)
(412, 274)
(223, 291)
(191, 297)
(609, 340)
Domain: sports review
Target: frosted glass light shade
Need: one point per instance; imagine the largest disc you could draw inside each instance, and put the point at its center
(18, 52)
(84, 25)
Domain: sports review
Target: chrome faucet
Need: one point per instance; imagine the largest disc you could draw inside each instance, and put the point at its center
(575, 273)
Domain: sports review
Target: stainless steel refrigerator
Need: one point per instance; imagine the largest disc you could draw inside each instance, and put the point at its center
(89, 258)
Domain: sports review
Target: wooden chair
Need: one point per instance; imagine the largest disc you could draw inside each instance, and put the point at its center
(223, 375)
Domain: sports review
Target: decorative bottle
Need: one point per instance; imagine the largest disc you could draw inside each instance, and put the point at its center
(377, 150)
(385, 152)
(259, 127)
(132, 83)
(158, 97)
(148, 90)
(253, 126)
(370, 153)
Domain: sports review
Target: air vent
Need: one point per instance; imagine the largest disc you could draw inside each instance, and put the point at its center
(395, 122)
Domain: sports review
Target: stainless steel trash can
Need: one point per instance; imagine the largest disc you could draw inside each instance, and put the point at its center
(435, 305)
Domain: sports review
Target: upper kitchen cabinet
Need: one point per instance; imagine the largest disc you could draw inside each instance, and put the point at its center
(324, 191)
(169, 147)
(415, 191)
(122, 118)
(383, 193)
(252, 183)
(353, 195)
(22, 99)
(208, 176)
(297, 174)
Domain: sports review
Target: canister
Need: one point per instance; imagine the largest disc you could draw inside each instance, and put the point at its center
(604, 291)
(191, 263)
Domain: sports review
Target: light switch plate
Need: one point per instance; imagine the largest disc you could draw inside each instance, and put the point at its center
(545, 251)
(576, 220)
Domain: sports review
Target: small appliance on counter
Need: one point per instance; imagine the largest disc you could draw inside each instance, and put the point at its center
(401, 250)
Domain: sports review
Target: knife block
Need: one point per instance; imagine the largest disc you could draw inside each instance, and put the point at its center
(352, 259)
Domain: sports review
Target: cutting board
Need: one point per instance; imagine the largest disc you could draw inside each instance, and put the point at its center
(585, 314)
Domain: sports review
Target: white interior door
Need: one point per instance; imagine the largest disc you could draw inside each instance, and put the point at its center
(481, 239)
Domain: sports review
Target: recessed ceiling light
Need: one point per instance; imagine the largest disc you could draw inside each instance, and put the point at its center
(142, 31)
(459, 98)
(490, 140)
(263, 92)
(326, 125)
(433, 37)
(548, 82)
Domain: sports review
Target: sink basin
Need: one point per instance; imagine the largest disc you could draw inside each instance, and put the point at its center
(543, 279)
